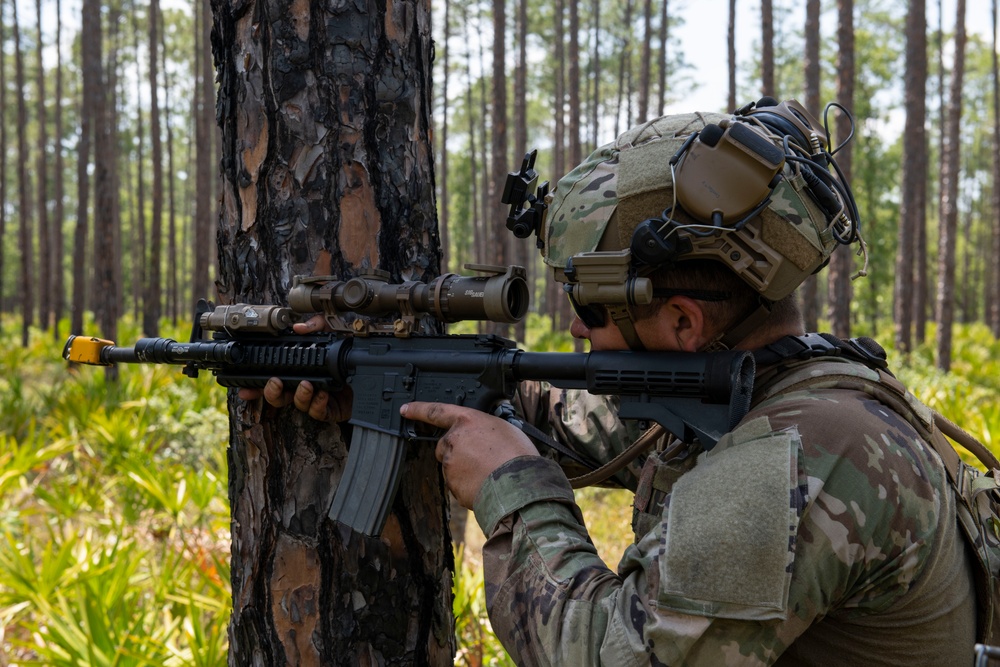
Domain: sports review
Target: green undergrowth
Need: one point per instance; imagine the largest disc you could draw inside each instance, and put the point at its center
(114, 518)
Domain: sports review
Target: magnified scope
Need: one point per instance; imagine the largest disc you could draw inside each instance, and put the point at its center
(501, 295)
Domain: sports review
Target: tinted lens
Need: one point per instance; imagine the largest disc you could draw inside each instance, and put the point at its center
(592, 316)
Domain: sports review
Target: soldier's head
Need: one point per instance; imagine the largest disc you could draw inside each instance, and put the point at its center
(731, 211)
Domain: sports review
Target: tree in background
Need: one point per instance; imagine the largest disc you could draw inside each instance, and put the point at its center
(153, 300)
(993, 299)
(950, 175)
(46, 265)
(327, 164)
(59, 243)
(767, 48)
(914, 171)
(205, 172)
(731, 49)
(26, 283)
(809, 293)
(3, 148)
(839, 290)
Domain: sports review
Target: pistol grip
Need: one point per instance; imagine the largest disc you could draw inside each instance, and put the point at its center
(366, 491)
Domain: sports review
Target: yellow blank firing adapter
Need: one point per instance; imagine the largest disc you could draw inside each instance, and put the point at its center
(84, 350)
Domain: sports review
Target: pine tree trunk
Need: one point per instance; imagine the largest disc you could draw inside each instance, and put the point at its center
(152, 304)
(105, 286)
(520, 248)
(204, 111)
(645, 61)
(731, 49)
(947, 240)
(327, 164)
(810, 288)
(91, 66)
(994, 258)
(767, 48)
(839, 274)
(914, 178)
(138, 234)
(45, 265)
(3, 153)
(58, 240)
(27, 279)
(664, 33)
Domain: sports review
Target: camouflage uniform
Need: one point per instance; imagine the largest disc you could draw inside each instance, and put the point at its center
(821, 531)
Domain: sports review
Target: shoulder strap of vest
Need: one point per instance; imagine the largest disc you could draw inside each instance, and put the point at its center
(977, 496)
(887, 389)
(812, 345)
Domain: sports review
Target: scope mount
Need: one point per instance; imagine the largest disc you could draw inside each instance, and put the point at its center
(527, 210)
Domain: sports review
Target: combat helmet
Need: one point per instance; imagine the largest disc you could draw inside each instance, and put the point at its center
(757, 190)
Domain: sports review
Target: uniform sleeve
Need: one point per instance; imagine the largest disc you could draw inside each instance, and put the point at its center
(552, 600)
(753, 548)
(586, 423)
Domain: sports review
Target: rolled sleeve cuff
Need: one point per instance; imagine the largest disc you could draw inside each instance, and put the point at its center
(517, 484)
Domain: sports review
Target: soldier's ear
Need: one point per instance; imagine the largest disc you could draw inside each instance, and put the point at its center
(683, 322)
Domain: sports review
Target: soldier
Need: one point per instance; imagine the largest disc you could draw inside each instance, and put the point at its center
(821, 530)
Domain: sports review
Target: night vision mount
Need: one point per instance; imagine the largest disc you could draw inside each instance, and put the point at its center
(527, 210)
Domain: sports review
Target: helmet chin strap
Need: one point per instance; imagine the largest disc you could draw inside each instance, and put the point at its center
(623, 320)
(735, 335)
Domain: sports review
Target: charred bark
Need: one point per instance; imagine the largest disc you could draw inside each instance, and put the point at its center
(327, 166)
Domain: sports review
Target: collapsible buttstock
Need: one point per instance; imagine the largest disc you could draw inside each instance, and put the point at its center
(366, 491)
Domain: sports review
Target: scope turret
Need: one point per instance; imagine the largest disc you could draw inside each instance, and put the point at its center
(500, 295)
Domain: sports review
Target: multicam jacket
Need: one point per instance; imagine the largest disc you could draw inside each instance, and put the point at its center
(821, 531)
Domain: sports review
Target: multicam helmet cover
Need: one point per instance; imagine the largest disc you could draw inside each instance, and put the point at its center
(598, 205)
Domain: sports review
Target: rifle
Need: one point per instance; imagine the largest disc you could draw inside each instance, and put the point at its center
(388, 364)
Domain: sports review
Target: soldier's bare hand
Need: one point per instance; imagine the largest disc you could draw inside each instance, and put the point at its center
(474, 445)
(321, 405)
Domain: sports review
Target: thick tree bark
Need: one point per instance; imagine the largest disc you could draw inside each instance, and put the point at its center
(950, 175)
(327, 164)
(914, 178)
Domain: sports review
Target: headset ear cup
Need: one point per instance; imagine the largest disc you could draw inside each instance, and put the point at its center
(781, 126)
